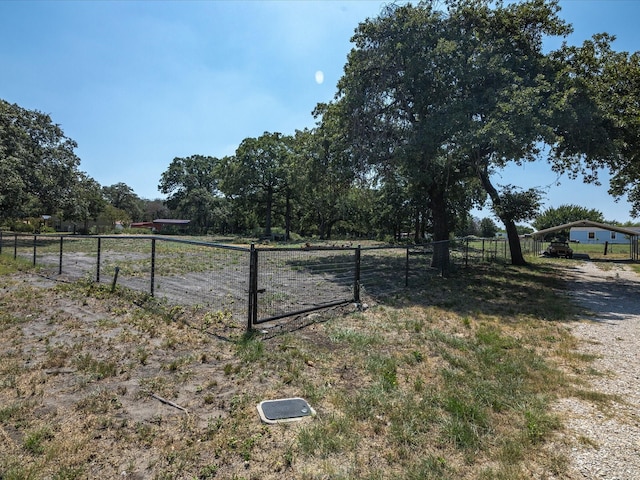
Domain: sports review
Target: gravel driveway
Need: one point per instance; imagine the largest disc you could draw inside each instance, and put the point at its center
(605, 444)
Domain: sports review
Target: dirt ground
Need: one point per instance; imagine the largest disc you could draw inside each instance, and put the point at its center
(96, 370)
(131, 388)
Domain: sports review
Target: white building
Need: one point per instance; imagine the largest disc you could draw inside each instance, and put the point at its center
(586, 231)
(600, 235)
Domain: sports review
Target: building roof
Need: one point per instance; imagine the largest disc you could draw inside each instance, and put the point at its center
(171, 221)
(587, 223)
(158, 223)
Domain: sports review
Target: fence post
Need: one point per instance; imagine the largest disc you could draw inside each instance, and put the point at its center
(153, 265)
(252, 313)
(356, 280)
(0, 242)
(15, 246)
(98, 262)
(60, 263)
(35, 243)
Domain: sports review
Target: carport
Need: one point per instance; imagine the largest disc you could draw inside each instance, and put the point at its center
(634, 253)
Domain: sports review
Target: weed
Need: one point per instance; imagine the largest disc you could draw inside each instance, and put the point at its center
(11, 412)
(359, 341)
(250, 347)
(69, 473)
(467, 422)
(34, 442)
(430, 468)
(18, 472)
(145, 433)
(142, 355)
(587, 442)
(365, 403)
(210, 319)
(208, 471)
(328, 436)
(598, 398)
(411, 420)
(384, 370)
(97, 368)
(170, 342)
(99, 402)
(539, 424)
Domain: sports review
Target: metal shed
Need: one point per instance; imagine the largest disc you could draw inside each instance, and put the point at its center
(633, 235)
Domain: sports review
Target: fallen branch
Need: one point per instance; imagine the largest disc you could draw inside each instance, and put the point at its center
(168, 402)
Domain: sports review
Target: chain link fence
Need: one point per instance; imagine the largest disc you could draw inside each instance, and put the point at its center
(251, 285)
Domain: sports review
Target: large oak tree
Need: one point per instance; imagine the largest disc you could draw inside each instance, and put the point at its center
(38, 164)
(192, 186)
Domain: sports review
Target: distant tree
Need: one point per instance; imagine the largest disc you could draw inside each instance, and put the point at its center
(113, 215)
(38, 165)
(122, 197)
(395, 212)
(524, 230)
(87, 203)
(259, 172)
(192, 186)
(488, 228)
(326, 168)
(468, 225)
(152, 209)
(553, 217)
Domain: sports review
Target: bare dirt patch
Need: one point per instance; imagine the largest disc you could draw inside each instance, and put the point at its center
(78, 374)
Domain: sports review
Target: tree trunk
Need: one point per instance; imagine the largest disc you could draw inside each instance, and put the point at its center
(512, 232)
(328, 230)
(321, 227)
(514, 243)
(287, 219)
(438, 205)
(267, 227)
(416, 226)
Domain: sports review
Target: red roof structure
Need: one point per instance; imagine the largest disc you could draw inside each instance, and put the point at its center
(159, 223)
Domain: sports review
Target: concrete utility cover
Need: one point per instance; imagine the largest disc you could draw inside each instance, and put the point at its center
(284, 410)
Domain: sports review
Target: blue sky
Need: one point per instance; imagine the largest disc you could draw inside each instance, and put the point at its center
(137, 83)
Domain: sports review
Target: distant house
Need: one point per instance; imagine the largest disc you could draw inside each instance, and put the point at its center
(600, 235)
(587, 231)
(158, 224)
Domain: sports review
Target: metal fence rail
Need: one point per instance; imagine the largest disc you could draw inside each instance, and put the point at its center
(296, 280)
(253, 285)
(198, 273)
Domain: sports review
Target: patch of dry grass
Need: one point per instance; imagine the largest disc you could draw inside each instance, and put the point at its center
(451, 381)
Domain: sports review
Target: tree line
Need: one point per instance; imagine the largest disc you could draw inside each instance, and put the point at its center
(435, 97)
(41, 177)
